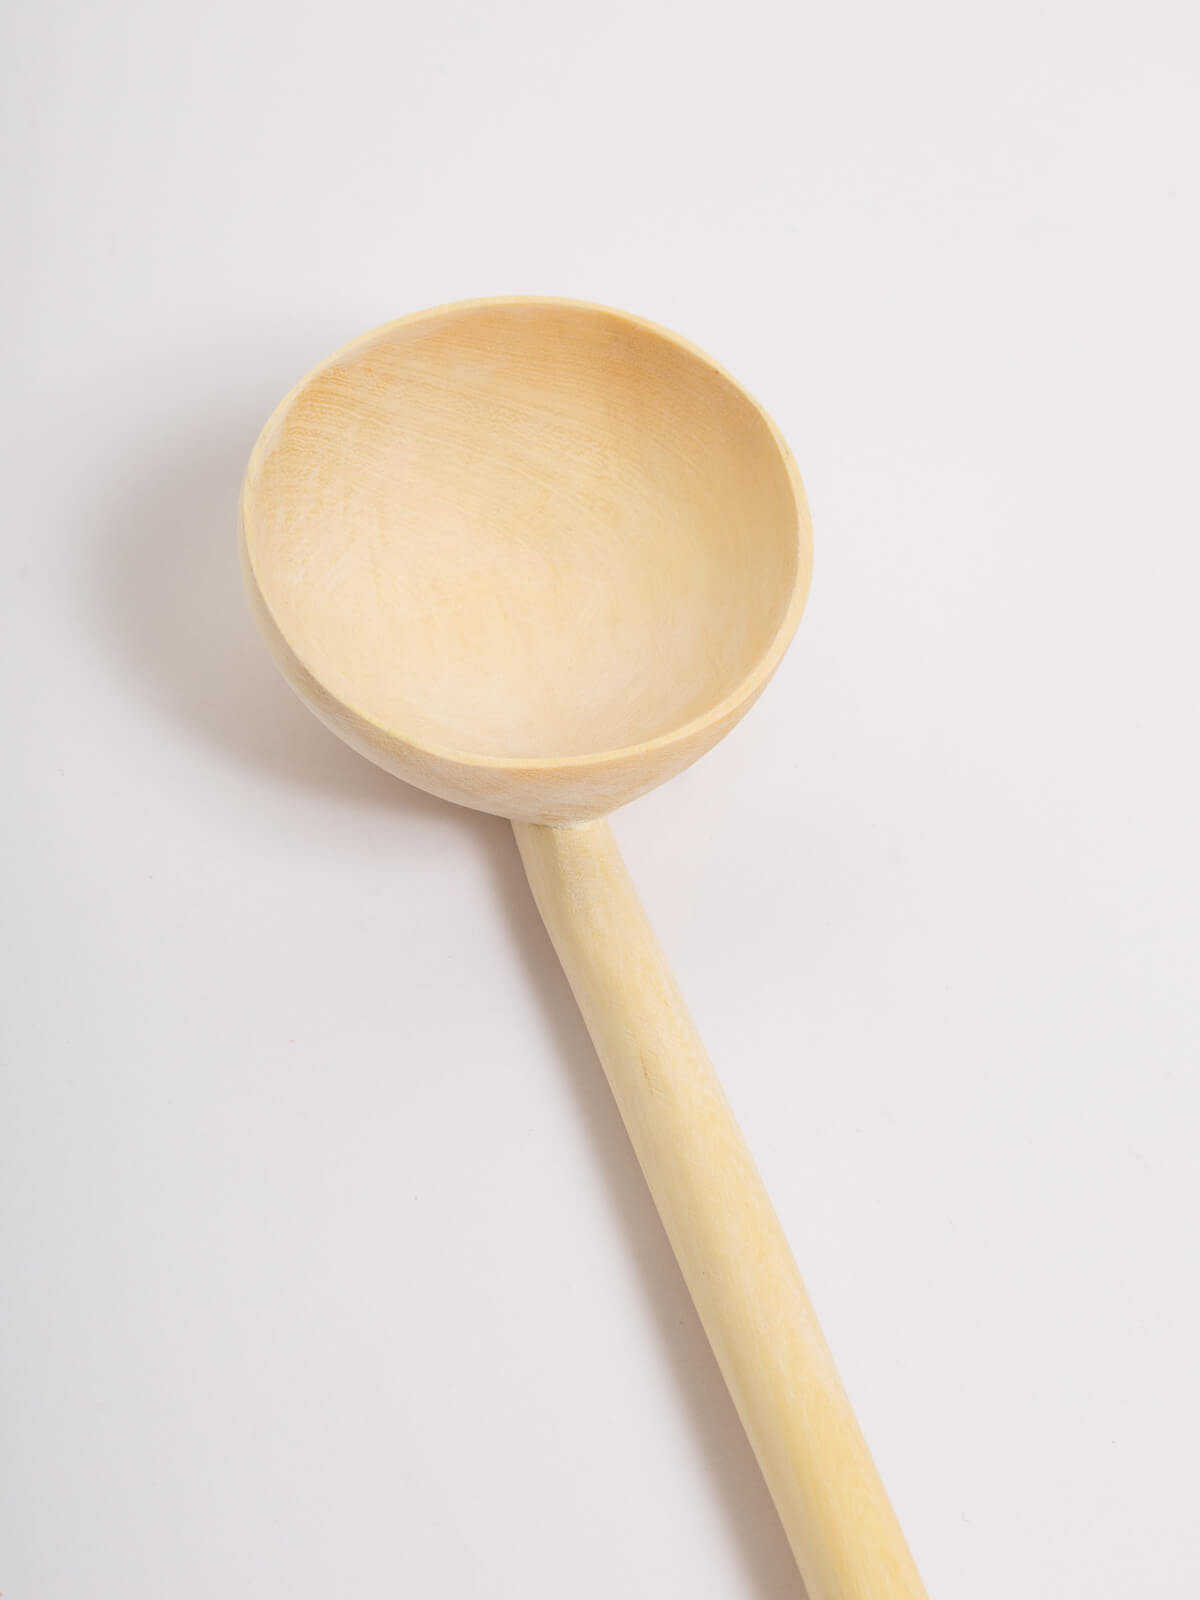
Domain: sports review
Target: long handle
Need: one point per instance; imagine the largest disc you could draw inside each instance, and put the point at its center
(725, 1234)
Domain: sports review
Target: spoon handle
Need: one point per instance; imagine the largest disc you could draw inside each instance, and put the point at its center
(719, 1219)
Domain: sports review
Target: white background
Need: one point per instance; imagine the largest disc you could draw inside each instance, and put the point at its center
(325, 1269)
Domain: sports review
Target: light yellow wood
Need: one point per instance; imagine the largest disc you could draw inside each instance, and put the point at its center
(537, 556)
(533, 556)
(722, 1228)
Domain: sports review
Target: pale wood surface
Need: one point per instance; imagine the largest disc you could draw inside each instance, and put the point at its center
(532, 555)
(537, 556)
(723, 1230)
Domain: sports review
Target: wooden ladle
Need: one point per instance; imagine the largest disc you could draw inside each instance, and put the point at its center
(536, 556)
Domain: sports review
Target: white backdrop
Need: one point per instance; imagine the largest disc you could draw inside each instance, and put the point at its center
(324, 1267)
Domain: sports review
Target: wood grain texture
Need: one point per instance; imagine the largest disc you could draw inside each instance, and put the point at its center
(722, 1227)
(534, 556)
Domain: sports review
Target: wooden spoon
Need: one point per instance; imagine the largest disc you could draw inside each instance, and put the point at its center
(535, 557)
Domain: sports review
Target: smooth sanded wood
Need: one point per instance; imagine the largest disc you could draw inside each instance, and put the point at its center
(531, 555)
(722, 1227)
(536, 556)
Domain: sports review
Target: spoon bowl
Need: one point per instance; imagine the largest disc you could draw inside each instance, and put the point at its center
(532, 555)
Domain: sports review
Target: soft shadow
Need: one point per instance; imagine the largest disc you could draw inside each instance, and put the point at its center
(167, 594)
